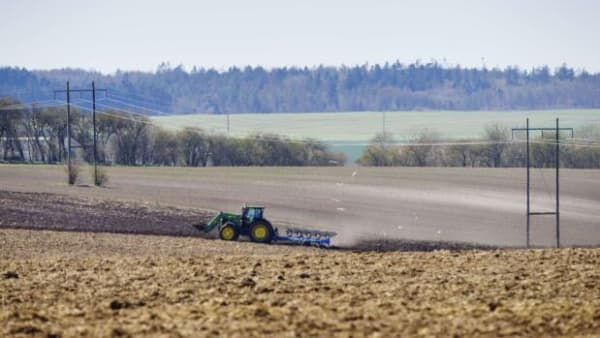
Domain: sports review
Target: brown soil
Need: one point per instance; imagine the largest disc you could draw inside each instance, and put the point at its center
(43, 211)
(89, 284)
(482, 205)
(59, 212)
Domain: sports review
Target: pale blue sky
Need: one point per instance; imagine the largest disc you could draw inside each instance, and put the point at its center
(109, 34)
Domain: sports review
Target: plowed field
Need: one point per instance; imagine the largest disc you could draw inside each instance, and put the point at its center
(88, 284)
(127, 261)
(480, 205)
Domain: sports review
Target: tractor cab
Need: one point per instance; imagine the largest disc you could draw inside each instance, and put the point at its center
(251, 213)
(252, 223)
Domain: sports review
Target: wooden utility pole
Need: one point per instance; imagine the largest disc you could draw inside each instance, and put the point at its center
(556, 212)
(68, 91)
(558, 185)
(95, 138)
(69, 128)
(69, 166)
(528, 185)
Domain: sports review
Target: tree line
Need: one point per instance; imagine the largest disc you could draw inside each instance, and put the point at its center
(495, 148)
(391, 86)
(39, 135)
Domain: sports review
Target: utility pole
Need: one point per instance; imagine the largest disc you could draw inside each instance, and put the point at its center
(68, 91)
(69, 128)
(228, 124)
(95, 139)
(528, 184)
(556, 212)
(557, 187)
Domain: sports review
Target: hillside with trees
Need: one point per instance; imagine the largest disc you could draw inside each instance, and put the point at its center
(494, 149)
(38, 135)
(392, 86)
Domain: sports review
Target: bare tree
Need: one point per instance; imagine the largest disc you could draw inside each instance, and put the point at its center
(497, 135)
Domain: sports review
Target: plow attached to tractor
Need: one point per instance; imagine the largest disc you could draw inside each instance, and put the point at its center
(252, 223)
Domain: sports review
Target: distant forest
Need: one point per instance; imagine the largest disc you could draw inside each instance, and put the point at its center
(393, 86)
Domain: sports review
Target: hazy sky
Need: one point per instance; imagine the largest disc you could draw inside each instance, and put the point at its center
(117, 34)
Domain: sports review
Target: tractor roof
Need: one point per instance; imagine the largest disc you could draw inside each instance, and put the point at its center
(254, 205)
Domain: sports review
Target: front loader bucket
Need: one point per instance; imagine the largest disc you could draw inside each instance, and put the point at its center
(200, 226)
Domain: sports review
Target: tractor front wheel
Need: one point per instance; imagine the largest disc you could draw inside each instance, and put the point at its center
(261, 232)
(228, 232)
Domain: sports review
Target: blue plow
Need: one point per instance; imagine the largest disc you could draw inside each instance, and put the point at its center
(305, 237)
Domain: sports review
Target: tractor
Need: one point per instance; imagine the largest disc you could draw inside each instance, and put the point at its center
(252, 223)
(249, 223)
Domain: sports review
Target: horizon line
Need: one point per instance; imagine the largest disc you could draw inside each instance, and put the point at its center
(167, 66)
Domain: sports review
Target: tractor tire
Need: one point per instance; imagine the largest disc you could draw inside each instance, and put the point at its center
(228, 232)
(261, 232)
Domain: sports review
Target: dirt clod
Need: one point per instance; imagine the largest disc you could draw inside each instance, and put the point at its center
(119, 332)
(260, 312)
(493, 306)
(117, 305)
(248, 283)
(25, 329)
(10, 275)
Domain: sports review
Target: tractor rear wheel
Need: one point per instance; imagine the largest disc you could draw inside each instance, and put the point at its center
(261, 232)
(228, 232)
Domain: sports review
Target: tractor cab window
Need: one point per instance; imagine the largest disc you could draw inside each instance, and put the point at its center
(250, 214)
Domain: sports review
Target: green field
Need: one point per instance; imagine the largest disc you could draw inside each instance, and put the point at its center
(350, 131)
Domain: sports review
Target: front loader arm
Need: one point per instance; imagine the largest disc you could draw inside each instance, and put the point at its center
(213, 223)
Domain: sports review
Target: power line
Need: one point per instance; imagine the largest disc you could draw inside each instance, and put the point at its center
(145, 101)
(23, 106)
(259, 136)
(115, 108)
(569, 144)
(308, 141)
(397, 144)
(108, 113)
(142, 103)
(304, 141)
(118, 107)
(140, 96)
(136, 106)
(432, 144)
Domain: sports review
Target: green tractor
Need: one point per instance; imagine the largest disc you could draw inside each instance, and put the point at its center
(250, 222)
